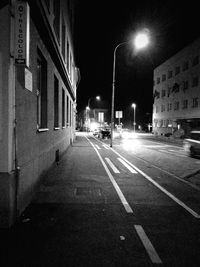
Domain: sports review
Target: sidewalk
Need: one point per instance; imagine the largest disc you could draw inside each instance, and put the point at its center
(70, 219)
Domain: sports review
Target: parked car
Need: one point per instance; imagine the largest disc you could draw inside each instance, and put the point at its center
(192, 144)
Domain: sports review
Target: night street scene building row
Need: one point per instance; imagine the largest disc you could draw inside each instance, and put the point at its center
(38, 83)
(176, 108)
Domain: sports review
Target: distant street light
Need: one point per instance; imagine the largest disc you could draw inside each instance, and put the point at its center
(134, 107)
(98, 98)
(140, 41)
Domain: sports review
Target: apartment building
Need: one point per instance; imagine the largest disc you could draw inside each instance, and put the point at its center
(176, 108)
(38, 82)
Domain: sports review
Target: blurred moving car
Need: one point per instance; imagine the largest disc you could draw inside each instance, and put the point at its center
(192, 144)
(102, 133)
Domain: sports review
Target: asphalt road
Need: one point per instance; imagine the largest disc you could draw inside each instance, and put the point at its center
(131, 205)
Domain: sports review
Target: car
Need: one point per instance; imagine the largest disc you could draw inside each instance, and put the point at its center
(192, 144)
(104, 133)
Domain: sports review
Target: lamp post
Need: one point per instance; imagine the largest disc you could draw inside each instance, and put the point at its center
(98, 98)
(141, 40)
(134, 108)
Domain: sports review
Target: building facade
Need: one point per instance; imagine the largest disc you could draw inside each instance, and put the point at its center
(176, 108)
(38, 82)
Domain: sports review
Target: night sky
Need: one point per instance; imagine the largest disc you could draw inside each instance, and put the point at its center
(101, 25)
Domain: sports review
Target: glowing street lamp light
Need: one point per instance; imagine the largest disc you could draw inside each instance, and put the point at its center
(98, 98)
(140, 41)
(134, 107)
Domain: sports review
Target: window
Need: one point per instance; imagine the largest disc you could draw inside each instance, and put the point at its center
(158, 80)
(195, 81)
(63, 39)
(162, 108)
(185, 85)
(56, 102)
(185, 104)
(68, 56)
(169, 106)
(157, 109)
(163, 77)
(195, 61)
(67, 111)
(163, 93)
(185, 65)
(63, 108)
(177, 70)
(176, 105)
(195, 102)
(41, 91)
(170, 74)
(56, 21)
(70, 113)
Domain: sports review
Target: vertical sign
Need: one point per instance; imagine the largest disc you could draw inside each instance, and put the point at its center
(101, 117)
(118, 114)
(22, 33)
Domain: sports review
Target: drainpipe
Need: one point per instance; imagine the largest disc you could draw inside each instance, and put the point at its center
(12, 75)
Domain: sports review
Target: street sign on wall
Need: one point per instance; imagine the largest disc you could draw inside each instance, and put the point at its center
(22, 33)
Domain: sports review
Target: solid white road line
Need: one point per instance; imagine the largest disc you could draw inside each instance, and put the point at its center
(112, 165)
(118, 190)
(148, 245)
(97, 147)
(178, 201)
(127, 166)
(105, 146)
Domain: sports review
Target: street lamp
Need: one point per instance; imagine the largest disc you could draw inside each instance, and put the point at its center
(134, 107)
(140, 41)
(98, 98)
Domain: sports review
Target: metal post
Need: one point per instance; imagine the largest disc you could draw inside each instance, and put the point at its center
(113, 93)
(134, 120)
